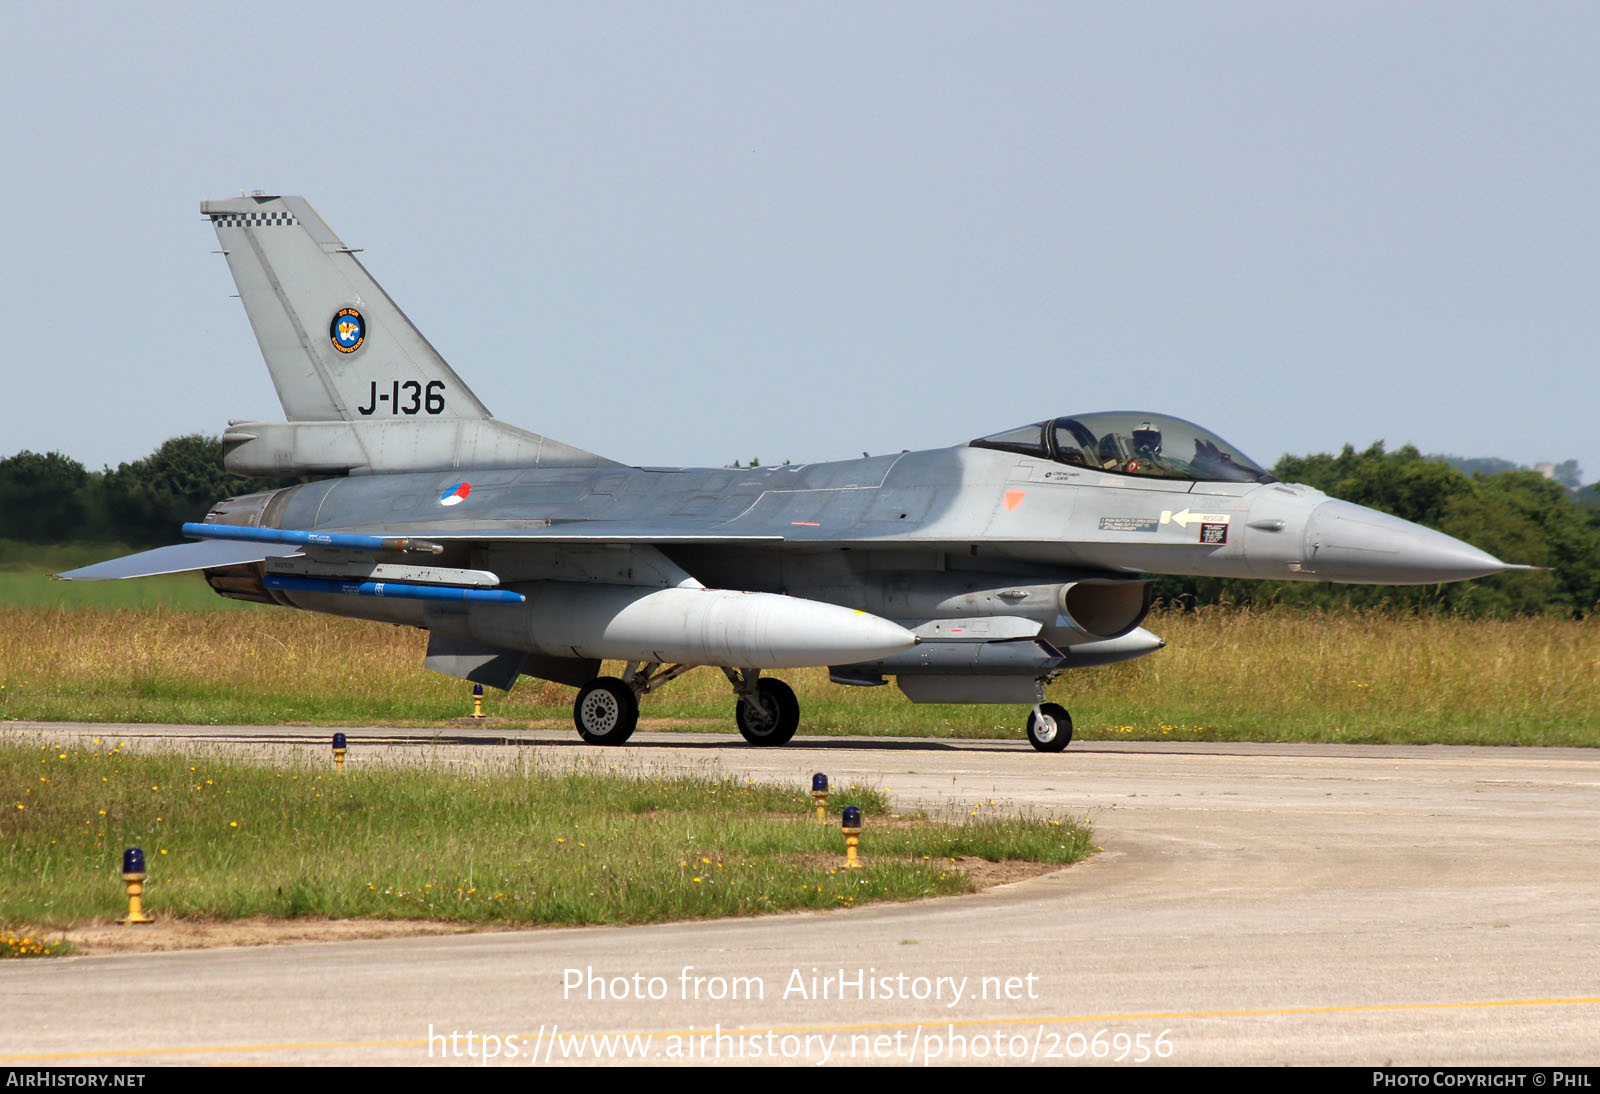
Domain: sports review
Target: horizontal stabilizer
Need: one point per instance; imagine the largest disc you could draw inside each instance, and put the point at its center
(181, 558)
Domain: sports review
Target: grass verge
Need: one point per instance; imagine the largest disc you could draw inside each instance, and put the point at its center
(519, 846)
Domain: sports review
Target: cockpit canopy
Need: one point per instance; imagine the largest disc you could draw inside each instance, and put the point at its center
(1125, 442)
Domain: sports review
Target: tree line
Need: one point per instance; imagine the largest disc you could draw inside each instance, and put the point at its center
(1519, 516)
(52, 498)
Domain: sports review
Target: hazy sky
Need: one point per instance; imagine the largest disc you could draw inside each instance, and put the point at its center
(693, 232)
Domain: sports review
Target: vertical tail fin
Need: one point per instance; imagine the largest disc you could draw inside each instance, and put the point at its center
(337, 347)
(364, 392)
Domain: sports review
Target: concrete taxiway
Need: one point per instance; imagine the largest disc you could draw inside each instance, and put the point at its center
(1262, 904)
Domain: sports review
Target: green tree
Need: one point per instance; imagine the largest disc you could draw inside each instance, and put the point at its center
(147, 500)
(1518, 516)
(1521, 516)
(43, 498)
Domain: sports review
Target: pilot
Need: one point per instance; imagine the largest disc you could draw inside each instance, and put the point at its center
(1147, 441)
(1145, 450)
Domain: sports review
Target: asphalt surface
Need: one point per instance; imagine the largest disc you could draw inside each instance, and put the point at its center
(1254, 904)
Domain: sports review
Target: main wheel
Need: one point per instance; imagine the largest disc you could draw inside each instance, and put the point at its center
(775, 716)
(1053, 732)
(606, 711)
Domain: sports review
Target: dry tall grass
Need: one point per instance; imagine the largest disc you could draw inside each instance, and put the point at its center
(1275, 674)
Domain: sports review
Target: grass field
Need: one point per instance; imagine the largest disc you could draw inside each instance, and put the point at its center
(26, 582)
(531, 844)
(1277, 675)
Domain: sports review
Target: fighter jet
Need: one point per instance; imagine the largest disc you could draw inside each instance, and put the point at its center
(976, 573)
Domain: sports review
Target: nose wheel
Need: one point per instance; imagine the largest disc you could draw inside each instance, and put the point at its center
(1049, 727)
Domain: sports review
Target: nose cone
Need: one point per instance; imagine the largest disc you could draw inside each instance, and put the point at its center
(1350, 543)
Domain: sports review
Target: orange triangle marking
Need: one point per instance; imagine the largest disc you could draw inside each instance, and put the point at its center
(1014, 498)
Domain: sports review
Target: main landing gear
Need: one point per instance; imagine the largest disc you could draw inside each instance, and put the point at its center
(606, 711)
(767, 712)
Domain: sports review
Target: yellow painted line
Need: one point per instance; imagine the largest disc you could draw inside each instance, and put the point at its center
(1147, 1016)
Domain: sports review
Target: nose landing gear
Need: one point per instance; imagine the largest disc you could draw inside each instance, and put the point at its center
(1049, 727)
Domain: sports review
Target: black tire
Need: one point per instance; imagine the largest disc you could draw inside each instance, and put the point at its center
(1056, 732)
(775, 720)
(606, 711)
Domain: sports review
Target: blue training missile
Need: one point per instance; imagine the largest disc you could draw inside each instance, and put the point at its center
(346, 540)
(396, 590)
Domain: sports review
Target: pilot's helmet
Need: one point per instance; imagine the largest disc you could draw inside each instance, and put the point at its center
(1147, 440)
